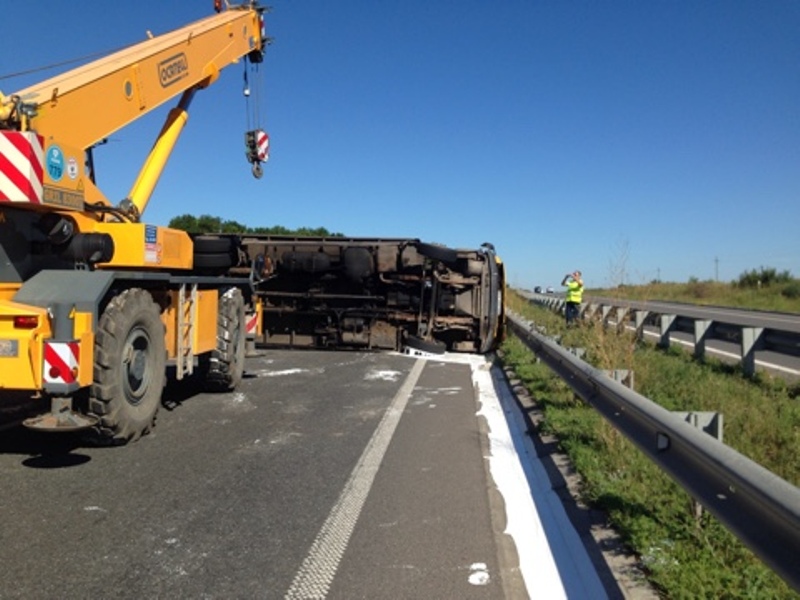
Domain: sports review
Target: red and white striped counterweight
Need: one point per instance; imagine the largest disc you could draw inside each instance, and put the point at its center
(61, 362)
(21, 167)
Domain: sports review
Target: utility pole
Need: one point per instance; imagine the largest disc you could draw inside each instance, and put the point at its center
(716, 268)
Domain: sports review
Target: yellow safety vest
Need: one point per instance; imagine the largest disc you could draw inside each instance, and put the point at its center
(574, 292)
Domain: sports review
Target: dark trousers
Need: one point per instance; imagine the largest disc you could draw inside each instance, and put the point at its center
(572, 311)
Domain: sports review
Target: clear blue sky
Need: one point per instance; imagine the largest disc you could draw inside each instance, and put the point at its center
(627, 139)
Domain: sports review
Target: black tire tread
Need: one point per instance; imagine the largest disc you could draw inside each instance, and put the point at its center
(223, 367)
(120, 421)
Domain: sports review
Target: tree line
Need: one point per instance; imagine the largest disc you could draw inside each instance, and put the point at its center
(211, 224)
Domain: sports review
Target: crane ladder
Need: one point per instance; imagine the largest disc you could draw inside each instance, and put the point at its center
(187, 314)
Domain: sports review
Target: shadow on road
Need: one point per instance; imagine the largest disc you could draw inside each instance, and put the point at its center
(43, 450)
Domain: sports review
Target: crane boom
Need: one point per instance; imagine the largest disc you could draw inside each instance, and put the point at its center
(81, 107)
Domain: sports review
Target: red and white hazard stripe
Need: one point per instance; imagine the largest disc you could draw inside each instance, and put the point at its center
(61, 362)
(262, 142)
(251, 327)
(21, 167)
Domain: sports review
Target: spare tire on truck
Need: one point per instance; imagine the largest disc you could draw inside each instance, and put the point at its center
(213, 254)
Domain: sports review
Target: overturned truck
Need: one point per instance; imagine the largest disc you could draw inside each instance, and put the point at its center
(372, 293)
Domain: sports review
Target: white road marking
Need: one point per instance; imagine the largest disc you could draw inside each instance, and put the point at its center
(478, 574)
(268, 373)
(383, 375)
(553, 561)
(314, 578)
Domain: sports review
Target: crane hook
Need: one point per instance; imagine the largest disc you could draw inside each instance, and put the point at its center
(256, 149)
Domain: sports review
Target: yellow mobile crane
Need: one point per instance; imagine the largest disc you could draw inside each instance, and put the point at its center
(94, 304)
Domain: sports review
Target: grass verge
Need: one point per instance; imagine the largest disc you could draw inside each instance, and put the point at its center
(683, 555)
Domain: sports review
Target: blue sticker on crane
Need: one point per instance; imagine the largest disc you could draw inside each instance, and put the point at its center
(55, 163)
(150, 234)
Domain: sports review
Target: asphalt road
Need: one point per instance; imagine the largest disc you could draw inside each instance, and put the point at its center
(750, 318)
(338, 475)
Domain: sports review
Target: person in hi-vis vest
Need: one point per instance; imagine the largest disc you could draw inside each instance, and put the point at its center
(574, 284)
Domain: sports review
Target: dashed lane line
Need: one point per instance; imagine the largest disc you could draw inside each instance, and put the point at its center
(314, 578)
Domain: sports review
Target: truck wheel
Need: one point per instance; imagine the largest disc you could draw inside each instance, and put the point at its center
(436, 252)
(222, 368)
(129, 368)
(429, 346)
(213, 261)
(209, 244)
(213, 255)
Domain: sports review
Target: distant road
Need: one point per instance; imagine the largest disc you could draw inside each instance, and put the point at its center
(752, 318)
(782, 363)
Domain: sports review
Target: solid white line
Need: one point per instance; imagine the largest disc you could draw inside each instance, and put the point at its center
(552, 558)
(314, 578)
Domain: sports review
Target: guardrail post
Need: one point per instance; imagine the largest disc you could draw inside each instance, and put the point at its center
(701, 329)
(623, 376)
(579, 352)
(711, 423)
(751, 341)
(605, 310)
(591, 308)
(666, 323)
(622, 312)
(640, 316)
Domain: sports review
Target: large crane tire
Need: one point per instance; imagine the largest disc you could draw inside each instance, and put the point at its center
(129, 368)
(221, 369)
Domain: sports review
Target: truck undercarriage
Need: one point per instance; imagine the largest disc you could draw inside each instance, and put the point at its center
(373, 293)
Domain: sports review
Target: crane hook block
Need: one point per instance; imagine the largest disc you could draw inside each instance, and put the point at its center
(256, 149)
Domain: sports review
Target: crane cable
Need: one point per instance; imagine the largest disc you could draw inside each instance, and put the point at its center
(256, 139)
(252, 112)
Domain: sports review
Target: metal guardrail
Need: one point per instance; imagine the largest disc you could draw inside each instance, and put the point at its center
(759, 507)
(752, 331)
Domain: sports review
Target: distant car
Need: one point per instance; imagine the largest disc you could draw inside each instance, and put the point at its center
(537, 289)
(550, 290)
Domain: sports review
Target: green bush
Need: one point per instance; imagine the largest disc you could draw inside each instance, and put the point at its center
(791, 290)
(765, 276)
